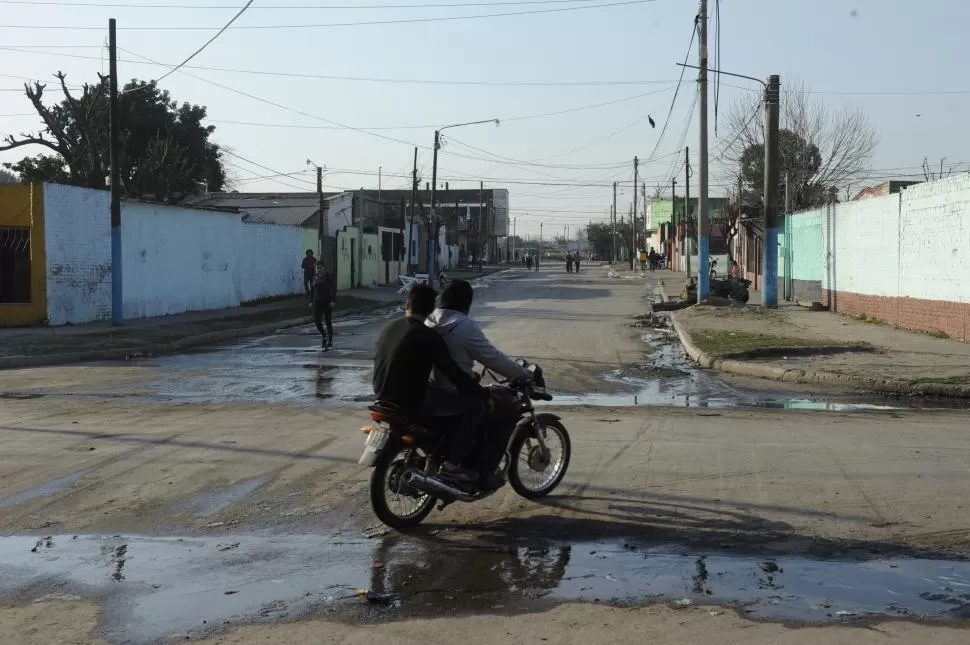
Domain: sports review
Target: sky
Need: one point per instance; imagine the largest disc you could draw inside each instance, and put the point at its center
(571, 81)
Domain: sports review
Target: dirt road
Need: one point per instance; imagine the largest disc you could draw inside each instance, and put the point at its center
(132, 517)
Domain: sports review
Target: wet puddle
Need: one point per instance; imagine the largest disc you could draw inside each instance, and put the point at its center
(43, 490)
(158, 588)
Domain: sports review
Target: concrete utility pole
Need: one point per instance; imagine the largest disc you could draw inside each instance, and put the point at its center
(672, 232)
(614, 221)
(685, 246)
(321, 230)
(414, 194)
(633, 213)
(114, 157)
(432, 278)
(703, 217)
(772, 96)
(540, 243)
(481, 217)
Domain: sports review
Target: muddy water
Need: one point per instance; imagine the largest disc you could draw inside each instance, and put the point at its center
(158, 588)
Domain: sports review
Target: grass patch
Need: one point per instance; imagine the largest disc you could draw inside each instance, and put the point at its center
(937, 333)
(742, 313)
(726, 343)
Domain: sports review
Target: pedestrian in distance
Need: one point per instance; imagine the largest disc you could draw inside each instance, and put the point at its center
(323, 295)
(528, 262)
(577, 260)
(569, 263)
(309, 267)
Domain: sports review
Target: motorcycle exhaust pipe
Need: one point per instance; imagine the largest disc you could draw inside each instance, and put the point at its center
(434, 486)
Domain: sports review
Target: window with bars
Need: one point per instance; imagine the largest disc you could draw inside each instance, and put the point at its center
(14, 265)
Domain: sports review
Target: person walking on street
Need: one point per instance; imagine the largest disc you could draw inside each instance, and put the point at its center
(309, 266)
(323, 295)
(528, 262)
(569, 262)
(578, 259)
(535, 262)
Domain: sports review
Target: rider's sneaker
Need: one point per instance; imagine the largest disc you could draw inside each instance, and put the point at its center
(451, 472)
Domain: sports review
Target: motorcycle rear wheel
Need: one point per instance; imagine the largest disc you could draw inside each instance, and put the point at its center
(528, 458)
(387, 490)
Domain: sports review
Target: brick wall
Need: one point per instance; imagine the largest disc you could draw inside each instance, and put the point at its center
(951, 318)
(901, 258)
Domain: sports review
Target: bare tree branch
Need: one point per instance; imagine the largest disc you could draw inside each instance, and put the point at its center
(832, 149)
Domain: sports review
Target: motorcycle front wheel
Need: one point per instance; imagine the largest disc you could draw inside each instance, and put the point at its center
(395, 503)
(536, 470)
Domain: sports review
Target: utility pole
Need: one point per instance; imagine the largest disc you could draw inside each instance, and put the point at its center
(733, 252)
(432, 274)
(672, 233)
(414, 194)
(513, 238)
(788, 241)
(614, 221)
(321, 231)
(685, 242)
(114, 156)
(633, 213)
(703, 222)
(481, 216)
(772, 95)
(540, 242)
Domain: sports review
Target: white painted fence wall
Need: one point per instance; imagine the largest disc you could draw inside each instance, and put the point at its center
(174, 259)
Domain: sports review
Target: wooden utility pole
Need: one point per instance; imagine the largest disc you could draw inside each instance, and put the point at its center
(114, 158)
(770, 287)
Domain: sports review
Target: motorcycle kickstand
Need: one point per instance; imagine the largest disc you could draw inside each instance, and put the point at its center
(442, 504)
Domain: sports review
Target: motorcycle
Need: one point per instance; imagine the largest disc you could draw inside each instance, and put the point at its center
(406, 454)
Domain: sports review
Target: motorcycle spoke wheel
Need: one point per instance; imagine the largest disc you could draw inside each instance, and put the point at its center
(538, 467)
(395, 503)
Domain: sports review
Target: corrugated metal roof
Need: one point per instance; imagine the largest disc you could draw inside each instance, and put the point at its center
(282, 215)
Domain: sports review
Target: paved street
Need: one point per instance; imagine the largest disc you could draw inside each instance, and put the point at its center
(216, 496)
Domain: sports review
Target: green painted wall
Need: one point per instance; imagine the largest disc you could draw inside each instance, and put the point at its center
(803, 234)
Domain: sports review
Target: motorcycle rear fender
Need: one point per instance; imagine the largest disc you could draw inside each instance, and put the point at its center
(547, 416)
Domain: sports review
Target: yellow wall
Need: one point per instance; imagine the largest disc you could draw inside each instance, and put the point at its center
(23, 207)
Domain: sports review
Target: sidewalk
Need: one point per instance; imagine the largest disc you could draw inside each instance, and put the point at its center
(35, 346)
(794, 344)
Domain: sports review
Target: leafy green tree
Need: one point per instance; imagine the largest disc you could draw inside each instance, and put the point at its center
(166, 151)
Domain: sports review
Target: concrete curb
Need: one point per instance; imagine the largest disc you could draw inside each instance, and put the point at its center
(761, 370)
(159, 349)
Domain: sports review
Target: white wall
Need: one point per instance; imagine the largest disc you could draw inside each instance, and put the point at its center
(265, 264)
(912, 244)
(173, 259)
(177, 259)
(77, 242)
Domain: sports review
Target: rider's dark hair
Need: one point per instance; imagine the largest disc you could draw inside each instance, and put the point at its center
(420, 299)
(458, 296)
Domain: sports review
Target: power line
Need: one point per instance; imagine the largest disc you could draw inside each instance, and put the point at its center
(26, 49)
(127, 5)
(206, 44)
(673, 101)
(398, 21)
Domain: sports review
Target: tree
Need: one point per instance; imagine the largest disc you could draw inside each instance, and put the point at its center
(819, 149)
(600, 238)
(7, 177)
(166, 151)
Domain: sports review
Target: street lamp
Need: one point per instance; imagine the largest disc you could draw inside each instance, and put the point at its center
(432, 274)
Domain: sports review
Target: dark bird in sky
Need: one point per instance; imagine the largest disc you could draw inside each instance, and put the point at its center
(650, 119)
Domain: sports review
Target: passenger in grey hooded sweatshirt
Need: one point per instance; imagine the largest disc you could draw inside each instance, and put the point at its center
(467, 344)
